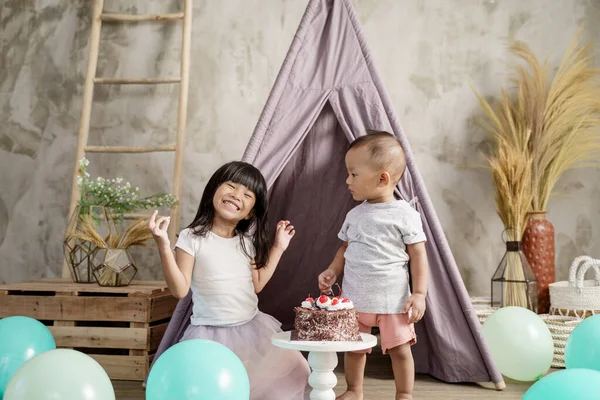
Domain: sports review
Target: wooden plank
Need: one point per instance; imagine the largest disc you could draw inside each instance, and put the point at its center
(161, 307)
(156, 334)
(379, 385)
(159, 80)
(61, 285)
(144, 326)
(129, 368)
(64, 322)
(130, 149)
(101, 337)
(184, 72)
(127, 309)
(113, 17)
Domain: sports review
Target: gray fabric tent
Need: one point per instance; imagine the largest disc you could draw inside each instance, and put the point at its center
(328, 93)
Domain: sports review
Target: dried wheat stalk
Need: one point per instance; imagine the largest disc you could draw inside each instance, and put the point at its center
(85, 230)
(563, 114)
(136, 235)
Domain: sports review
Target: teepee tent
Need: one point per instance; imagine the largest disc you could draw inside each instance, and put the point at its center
(328, 93)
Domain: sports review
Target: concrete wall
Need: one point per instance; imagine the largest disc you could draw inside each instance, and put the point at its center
(428, 52)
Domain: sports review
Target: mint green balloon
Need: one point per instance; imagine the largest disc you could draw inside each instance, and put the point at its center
(520, 343)
(198, 369)
(567, 384)
(583, 345)
(21, 338)
(60, 374)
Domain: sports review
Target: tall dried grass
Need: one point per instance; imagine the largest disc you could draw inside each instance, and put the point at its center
(557, 120)
(542, 130)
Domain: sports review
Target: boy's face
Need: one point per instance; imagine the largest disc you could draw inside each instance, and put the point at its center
(364, 181)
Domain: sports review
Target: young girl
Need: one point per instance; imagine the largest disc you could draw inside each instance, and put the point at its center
(225, 257)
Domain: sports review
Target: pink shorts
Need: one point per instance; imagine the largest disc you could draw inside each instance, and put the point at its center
(393, 328)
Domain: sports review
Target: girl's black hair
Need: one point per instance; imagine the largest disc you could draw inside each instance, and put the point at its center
(244, 174)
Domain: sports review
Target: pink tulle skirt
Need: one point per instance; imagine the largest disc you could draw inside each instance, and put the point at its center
(274, 373)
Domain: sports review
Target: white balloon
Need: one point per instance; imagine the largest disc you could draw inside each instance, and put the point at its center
(520, 343)
(60, 374)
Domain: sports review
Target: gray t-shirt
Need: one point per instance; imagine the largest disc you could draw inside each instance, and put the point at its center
(376, 269)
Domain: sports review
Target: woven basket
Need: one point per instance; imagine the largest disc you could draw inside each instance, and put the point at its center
(577, 297)
(560, 327)
(483, 308)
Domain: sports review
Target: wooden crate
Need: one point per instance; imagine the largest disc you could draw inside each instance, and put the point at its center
(119, 327)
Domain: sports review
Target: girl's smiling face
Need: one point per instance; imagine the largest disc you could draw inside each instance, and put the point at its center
(233, 202)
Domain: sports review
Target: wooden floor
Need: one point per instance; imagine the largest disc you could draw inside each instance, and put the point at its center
(379, 385)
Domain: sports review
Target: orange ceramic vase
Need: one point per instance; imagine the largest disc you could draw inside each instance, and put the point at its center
(538, 247)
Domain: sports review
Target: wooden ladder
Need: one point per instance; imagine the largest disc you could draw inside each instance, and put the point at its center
(88, 93)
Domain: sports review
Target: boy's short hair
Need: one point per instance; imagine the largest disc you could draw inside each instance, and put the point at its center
(386, 152)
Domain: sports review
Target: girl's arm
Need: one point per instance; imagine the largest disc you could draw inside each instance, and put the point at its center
(177, 269)
(260, 277)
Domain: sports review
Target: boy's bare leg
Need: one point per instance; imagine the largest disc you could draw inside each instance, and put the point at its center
(404, 371)
(354, 370)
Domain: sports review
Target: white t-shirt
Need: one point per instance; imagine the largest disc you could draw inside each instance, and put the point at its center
(222, 289)
(376, 268)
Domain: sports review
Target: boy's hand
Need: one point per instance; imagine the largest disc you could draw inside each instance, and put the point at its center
(326, 280)
(284, 234)
(158, 228)
(415, 306)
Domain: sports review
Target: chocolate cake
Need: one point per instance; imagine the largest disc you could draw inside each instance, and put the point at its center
(327, 319)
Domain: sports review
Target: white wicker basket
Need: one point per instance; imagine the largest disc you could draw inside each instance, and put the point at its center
(577, 297)
(560, 327)
(483, 308)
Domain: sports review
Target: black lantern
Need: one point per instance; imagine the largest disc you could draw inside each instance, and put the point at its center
(514, 283)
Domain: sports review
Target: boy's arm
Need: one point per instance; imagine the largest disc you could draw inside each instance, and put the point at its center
(328, 277)
(419, 267)
(337, 265)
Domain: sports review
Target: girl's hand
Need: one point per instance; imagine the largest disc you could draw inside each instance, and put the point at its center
(158, 228)
(415, 307)
(284, 234)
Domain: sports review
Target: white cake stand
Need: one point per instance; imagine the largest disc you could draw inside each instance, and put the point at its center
(322, 359)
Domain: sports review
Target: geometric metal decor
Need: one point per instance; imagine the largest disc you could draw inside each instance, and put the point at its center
(116, 269)
(87, 232)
